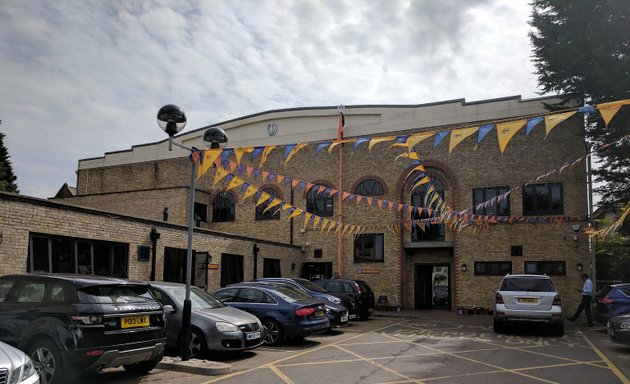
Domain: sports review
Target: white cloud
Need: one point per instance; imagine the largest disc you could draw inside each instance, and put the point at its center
(81, 78)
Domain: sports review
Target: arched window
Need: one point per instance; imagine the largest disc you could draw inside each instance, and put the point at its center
(320, 204)
(370, 187)
(223, 207)
(271, 214)
(432, 231)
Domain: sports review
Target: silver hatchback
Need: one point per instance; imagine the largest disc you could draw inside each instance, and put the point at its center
(528, 298)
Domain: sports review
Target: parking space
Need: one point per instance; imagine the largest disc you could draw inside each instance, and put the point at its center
(430, 347)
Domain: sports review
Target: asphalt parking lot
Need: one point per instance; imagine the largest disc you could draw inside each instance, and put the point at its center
(416, 347)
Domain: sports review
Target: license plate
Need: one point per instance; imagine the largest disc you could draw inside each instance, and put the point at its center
(344, 318)
(133, 322)
(252, 336)
(319, 314)
(352, 317)
(532, 300)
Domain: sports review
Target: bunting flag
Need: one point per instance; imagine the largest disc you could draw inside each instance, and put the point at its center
(219, 175)
(234, 183)
(506, 131)
(273, 203)
(458, 135)
(207, 159)
(483, 131)
(322, 146)
(264, 196)
(360, 141)
(440, 136)
(609, 110)
(377, 140)
(424, 180)
(552, 120)
(250, 191)
(288, 154)
(265, 154)
(416, 138)
(531, 123)
(239, 152)
(296, 212)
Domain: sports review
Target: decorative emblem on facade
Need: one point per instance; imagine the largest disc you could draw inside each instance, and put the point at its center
(272, 128)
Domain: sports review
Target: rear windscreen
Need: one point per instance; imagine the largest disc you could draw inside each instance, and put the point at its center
(115, 294)
(364, 286)
(526, 284)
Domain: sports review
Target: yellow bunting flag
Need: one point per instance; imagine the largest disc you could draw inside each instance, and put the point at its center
(424, 180)
(324, 224)
(219, 175)
(377, 140)
(234, 183)
(415, 139)
(307, 218)
(239, 152)
(335, 143)
(297, 212)
(408, 155)
(458, 135)
(250, 191)
(273, 203)
(265, 154)
(264, 196)
(552, 120)
(316, 221)
(209, 156)
(609, 110)
(295, 150)
(287, 206)
(506, 131)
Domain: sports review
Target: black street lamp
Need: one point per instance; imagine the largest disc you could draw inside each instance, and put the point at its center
(172, 120)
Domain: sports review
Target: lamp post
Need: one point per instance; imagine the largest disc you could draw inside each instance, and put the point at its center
(172, 120)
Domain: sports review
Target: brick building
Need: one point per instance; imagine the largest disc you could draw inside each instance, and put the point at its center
(410, 257)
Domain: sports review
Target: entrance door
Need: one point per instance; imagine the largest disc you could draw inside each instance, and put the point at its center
(432, 289)
(317, 271)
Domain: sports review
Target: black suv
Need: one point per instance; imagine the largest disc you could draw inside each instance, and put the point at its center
(358, 289)
(70, 324)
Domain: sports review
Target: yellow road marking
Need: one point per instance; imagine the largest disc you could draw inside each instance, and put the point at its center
(609, 363)
(280, 374)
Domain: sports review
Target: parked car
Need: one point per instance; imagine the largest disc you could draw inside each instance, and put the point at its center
(69, 324)
(16, 367)
(618, 329)
(285, 313)
(339, 308)
(357, 289)
(214, 325)
(611, 301)
(528, 298)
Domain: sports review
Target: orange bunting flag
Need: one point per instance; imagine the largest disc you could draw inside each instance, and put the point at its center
(250, 191)
(287, 206)
(458, 135)
(321, 189)
(506, 131)
(295, 150)
(264, 175)
(344, 195)
(294, 183)
(264, 196)
(234, 183)
(233, 166)
(249, 171)
(377, 140)
(280, 179)
(219, 175)
(209, 156)
(265, 154)
(609, 110)
(552, 120)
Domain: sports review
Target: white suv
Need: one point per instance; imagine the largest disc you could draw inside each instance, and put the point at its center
(528, 298)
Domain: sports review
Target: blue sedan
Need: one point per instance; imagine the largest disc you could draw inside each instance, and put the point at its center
(284, 312)
(611, 301)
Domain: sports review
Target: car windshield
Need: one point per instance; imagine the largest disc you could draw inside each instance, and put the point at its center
(604, 291)
(116, 293)
(310, 285)
(527, 284)
(290, 295)
(199, 299)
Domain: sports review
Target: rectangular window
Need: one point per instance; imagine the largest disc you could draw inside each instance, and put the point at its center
(543, 199)
(231, 269)
(201, 212)
(488, 195)
(492, 268)
(271, 268)
(369, 248)
(550, 268)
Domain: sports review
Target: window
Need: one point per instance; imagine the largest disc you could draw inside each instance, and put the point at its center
(543, 199)
(370, 187)
(201, 212)
(223, 207)
(426, 231)
(492, 268)
(231, 269)
(368, 248)
(482, 195)
(550, 268)
(271, 268)
(319, 204)
(58, 254)
(271, 214)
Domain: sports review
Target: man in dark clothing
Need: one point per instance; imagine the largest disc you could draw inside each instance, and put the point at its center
(585, 304)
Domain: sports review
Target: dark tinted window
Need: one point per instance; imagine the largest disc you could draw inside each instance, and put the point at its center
(247, 295)
(369, 188)
(364, 286)
(114, 294)
(604, 291)
(493, 268)
(542, 199)
(319, 204)
(625, 290)
(369, 247)
(486, 203)
(223, 207)
(262, 213)
(550, 268)
(5, 288)
(527, 284)
(31, 292)
(226, 294)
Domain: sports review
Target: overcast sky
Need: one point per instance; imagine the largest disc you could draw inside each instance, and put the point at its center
(79, 78)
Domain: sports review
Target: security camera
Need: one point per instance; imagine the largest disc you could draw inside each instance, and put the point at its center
(576, 227)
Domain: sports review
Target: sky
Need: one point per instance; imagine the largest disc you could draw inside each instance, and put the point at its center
(79, 78)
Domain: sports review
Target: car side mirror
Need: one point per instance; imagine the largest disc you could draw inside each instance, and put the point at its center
(168, 309)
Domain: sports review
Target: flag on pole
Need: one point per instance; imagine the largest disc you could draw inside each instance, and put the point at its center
(342, 124)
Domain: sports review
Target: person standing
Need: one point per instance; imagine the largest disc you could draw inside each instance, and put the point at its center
(585, 304)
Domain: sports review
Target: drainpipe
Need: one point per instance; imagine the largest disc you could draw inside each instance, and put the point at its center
(154, 235)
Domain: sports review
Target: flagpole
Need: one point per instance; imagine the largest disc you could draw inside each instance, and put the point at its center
(340, 108)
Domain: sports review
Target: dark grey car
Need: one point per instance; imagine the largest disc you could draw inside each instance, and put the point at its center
(214, 325)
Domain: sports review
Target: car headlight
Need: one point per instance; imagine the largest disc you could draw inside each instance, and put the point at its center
(226, 327)
(624, 325)
(24, 372)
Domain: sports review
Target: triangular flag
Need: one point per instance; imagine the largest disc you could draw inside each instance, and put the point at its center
(208, 158)
(609, 110)
(265, 154)
(264, 196)
(239, 152)
(505, 132)
(377, 140)
(440, 136)
(251, 190)
(552, 120)
(296, 212)
(531, 123)
(296, 148)
(219, 175)
(416, 138)
(458, 135)
(272, 204)
(483, 131)
(234, 183)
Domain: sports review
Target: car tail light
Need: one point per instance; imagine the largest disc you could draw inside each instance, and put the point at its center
(96, 352)
(88, 320)
(605, 300)
(304, 311)
(556, 300)
(358, 288)
(498, 299)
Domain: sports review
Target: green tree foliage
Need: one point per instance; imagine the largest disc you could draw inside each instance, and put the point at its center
(7, 178)
(613, 259)
(582, 50)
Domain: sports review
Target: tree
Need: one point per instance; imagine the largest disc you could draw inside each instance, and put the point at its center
(582, 50)
(7, 178)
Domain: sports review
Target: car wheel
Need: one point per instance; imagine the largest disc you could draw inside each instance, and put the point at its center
(498, 326)
(47, 361)
(364, 315)
(141, 368)
(558, 329)
(198, 346)
(274, 332)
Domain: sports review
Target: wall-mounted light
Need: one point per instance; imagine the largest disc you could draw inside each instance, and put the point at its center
(293, 266)
(579, 267)
(464, 268)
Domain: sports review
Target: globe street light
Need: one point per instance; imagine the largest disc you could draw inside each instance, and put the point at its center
(172, 120)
